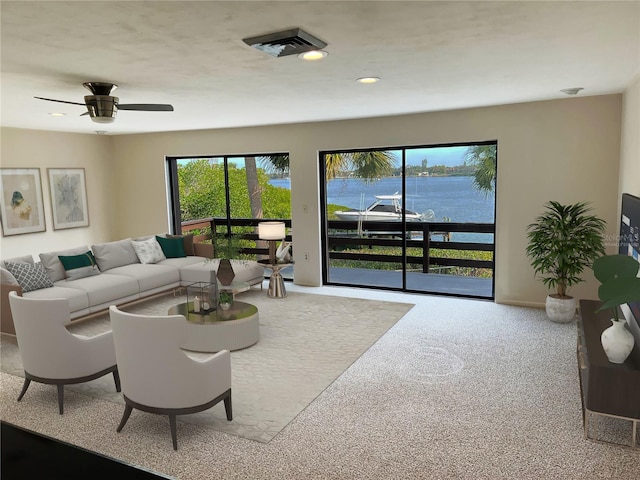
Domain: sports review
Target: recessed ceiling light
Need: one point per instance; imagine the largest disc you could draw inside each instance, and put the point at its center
(571, 91)
(57, 114)
(313, 55)
(368, 80)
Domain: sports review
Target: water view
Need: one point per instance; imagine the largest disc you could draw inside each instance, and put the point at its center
(453, 197)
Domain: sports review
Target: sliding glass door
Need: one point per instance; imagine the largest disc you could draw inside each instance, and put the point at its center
(416, 219)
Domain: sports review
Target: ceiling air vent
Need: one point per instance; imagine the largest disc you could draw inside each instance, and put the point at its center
(289, 42)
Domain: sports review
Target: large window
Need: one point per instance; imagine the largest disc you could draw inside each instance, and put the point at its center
(218, 196)
(417, 219)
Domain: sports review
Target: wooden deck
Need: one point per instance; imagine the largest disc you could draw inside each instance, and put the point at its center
(416, 282)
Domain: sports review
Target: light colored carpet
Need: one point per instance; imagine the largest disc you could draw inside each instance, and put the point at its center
(306, 342)
(457, 389)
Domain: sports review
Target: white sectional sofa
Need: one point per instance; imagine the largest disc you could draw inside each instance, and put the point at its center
(116, 274)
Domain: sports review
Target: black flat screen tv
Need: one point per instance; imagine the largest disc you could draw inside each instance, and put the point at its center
(629, 244)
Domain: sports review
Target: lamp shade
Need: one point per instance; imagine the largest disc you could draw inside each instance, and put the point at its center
(271, 230)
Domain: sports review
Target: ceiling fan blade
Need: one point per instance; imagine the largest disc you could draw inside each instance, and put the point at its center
(147, 107)
(59, 101)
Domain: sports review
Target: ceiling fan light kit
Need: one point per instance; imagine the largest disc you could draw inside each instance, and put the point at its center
(103, 108)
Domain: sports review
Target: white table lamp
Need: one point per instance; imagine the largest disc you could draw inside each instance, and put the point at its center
(272, 232)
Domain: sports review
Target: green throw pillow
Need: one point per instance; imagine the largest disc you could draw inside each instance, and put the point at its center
(79, 266)
(187, 242)
(172, 247)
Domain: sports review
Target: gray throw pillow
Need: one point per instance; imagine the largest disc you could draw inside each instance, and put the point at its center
(114, 254)
(7, 278)
(23, 259)
(29, 276)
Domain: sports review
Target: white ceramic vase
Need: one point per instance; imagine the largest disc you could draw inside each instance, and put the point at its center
(617, 341)
(560, 310)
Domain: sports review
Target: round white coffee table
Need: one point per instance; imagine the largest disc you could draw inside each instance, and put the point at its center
(219, 329)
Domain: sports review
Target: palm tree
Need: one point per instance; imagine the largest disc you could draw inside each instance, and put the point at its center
(483, 157)
(368, 166)
(365, 165)
(255, 194)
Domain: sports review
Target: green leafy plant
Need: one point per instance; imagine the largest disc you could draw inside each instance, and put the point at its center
(618, 275)
(226, 297)
(563, 241)
(227, 246)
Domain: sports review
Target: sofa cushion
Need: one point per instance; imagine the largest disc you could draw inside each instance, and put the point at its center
(171, 247)
(23, 259)
(114, 254)
(6, 278)
(52, 263)
(78, 299)
(149, 276)
(79, 266)
(248, 271)
(181, 262)
(102, 289)
(187, 242)
(148, 251)
(29, 276)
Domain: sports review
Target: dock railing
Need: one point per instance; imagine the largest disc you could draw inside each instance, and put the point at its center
(425, 236)
(344, 236)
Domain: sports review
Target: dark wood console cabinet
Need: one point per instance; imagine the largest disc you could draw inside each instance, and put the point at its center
(607, 388)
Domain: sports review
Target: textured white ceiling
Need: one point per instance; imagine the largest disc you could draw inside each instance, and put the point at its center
(430, 56)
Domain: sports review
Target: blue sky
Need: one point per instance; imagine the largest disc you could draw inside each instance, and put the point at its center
(448, 156)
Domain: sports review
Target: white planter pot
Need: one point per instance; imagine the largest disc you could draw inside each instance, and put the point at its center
(617, 341)
(560, 310)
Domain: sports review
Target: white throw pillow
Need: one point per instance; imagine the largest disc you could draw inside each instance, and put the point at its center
(148, 251)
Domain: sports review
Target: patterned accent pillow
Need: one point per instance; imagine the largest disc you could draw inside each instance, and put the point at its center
(148, 251)
(29, 276)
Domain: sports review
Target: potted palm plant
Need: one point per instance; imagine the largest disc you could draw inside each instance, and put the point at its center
(563, 241)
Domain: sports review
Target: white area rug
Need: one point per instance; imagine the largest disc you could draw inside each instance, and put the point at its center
(306, 342)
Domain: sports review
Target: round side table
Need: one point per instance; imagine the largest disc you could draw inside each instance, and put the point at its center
(276, 282)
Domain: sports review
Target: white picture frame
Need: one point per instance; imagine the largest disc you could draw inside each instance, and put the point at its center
(68, 190)
(21, 201)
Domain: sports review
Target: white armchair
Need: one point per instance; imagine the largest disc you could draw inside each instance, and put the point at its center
(158, 377)
(53, 355)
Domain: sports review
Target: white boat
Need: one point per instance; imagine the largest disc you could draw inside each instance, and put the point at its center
(386, 208)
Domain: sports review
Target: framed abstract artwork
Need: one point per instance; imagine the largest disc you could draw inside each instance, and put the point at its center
(21, 199)
(68, 198)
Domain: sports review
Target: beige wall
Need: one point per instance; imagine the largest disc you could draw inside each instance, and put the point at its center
(40, 149)
(630, 151)
(566, 150)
